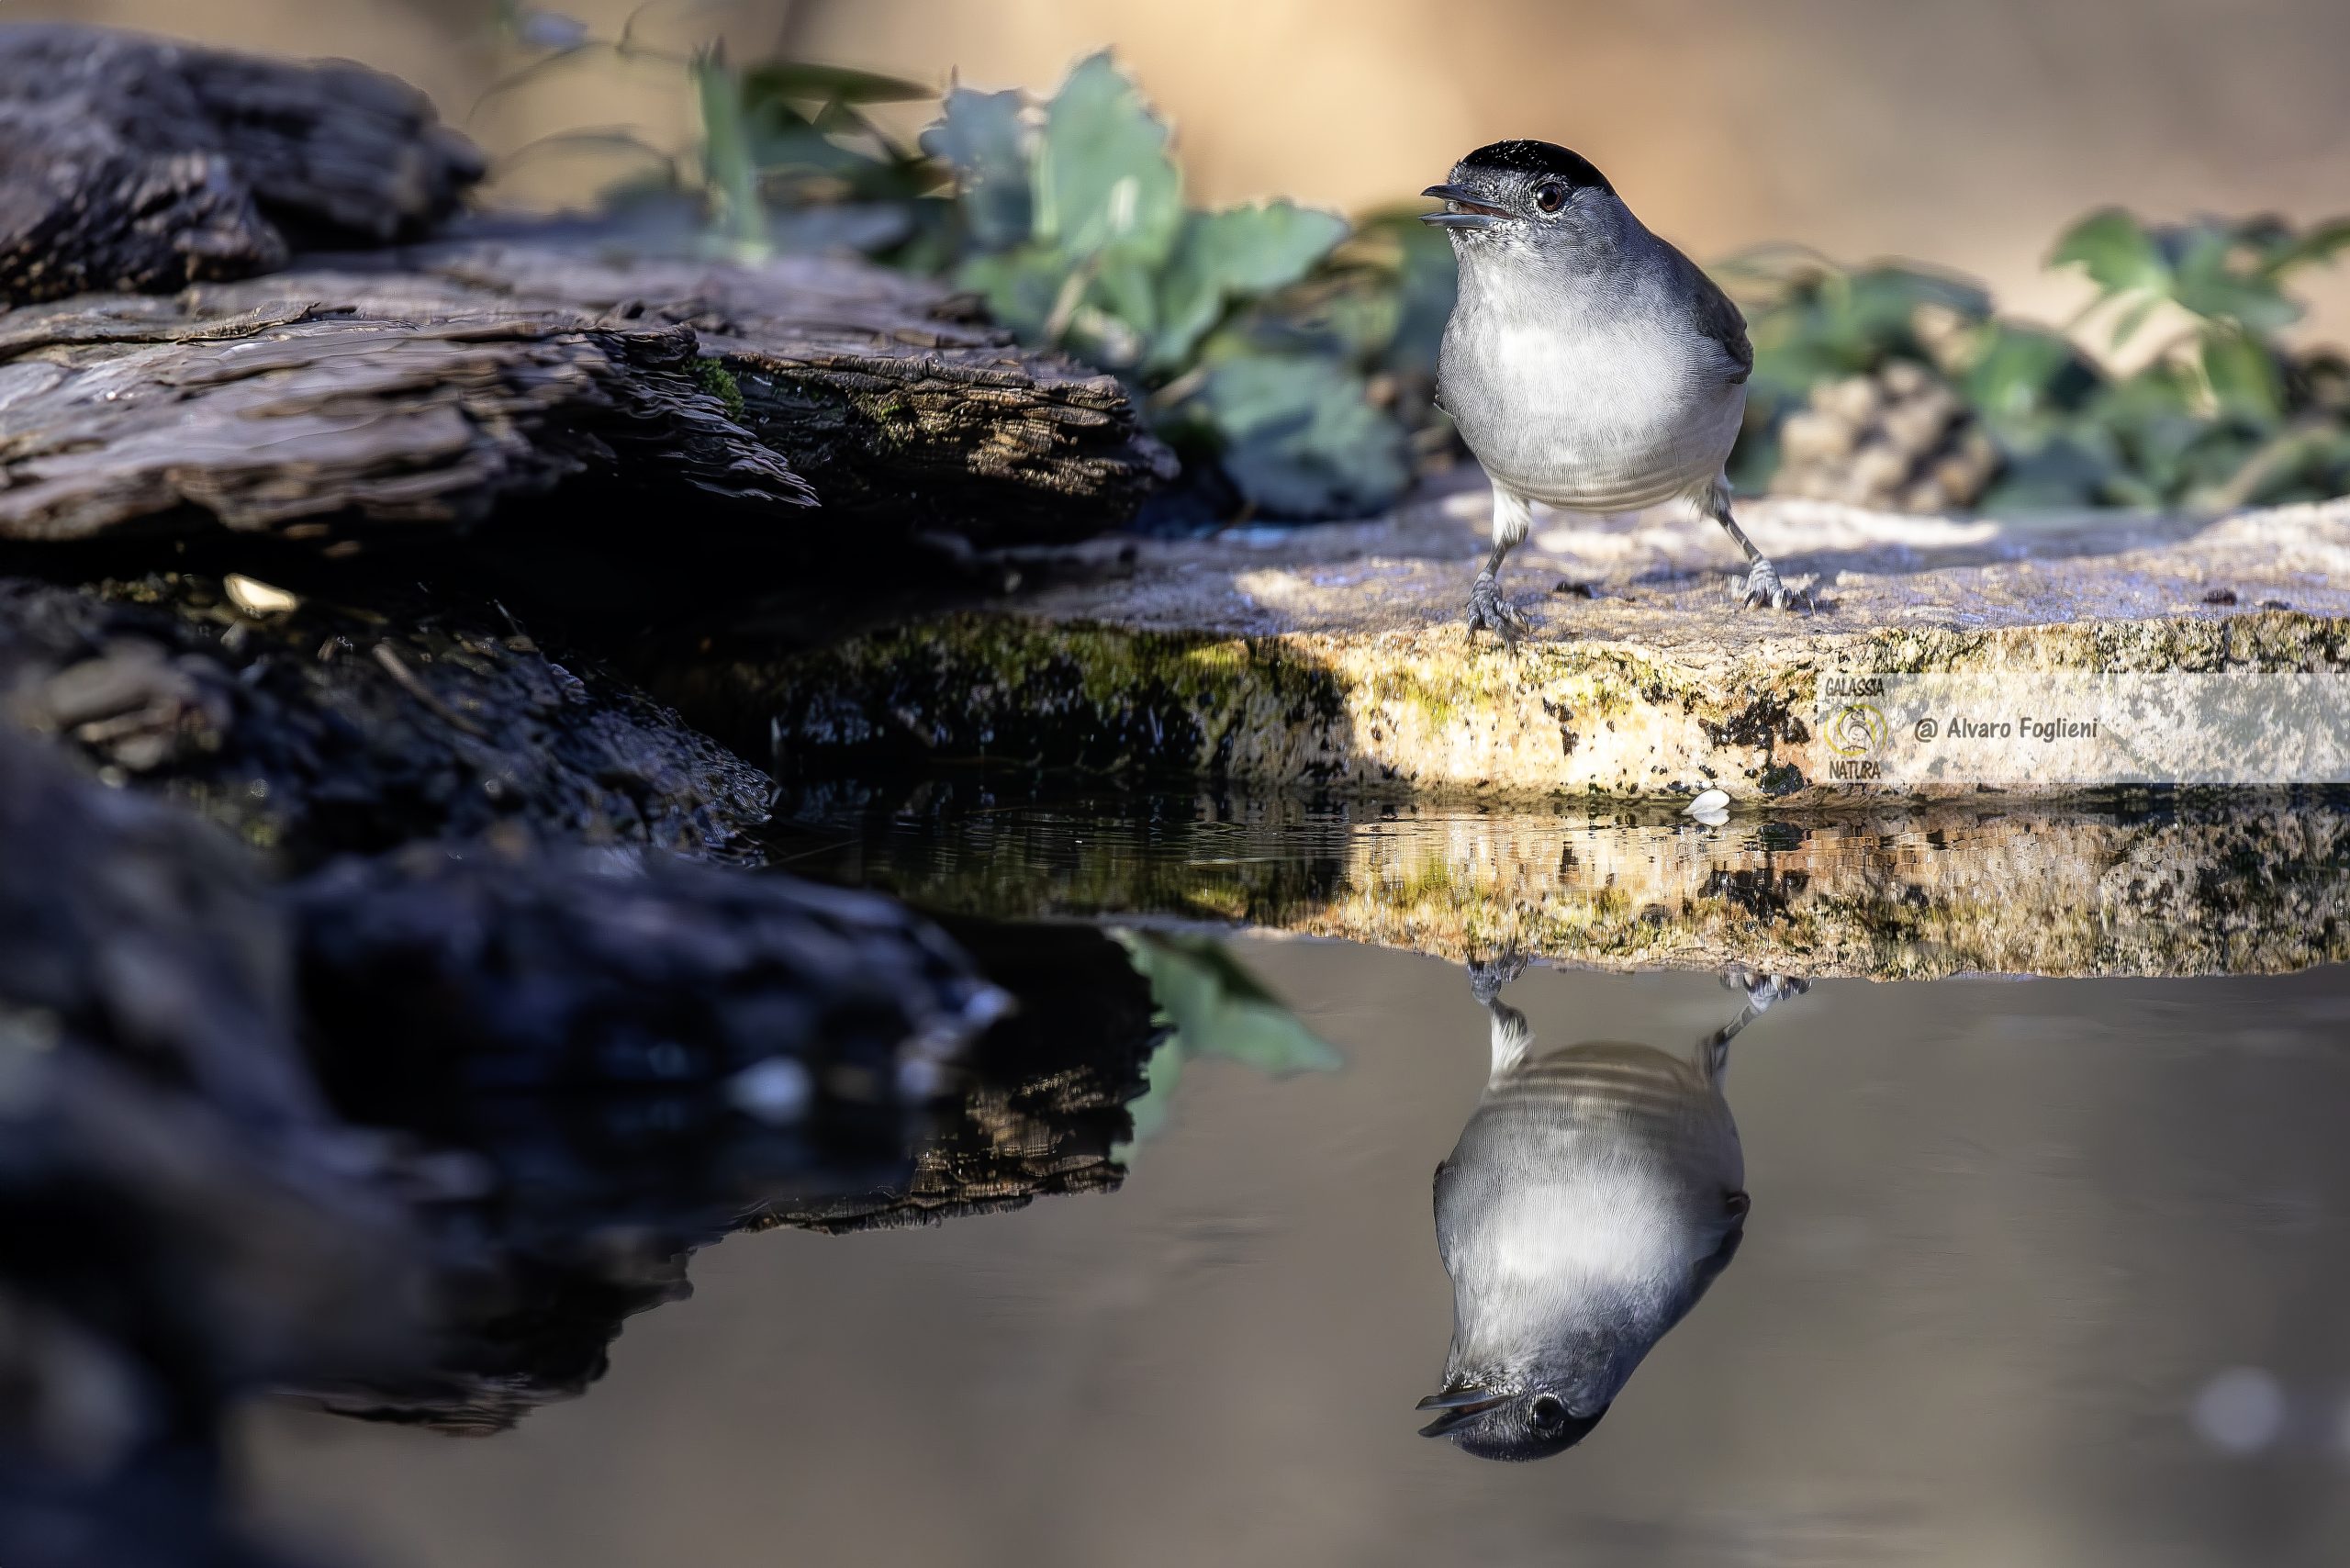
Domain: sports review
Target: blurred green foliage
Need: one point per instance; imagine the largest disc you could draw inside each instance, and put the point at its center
(2217, 412)
(1274, 339)
(1214, 1008)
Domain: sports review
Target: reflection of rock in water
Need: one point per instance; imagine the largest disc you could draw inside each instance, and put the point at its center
(1044, 1091)
(567, 1070)
(1596, 1192)
(596, 1185)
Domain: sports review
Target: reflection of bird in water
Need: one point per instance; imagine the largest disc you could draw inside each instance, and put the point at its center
(1593, 1197)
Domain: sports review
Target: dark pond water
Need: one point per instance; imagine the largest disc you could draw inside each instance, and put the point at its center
(2011, 1270)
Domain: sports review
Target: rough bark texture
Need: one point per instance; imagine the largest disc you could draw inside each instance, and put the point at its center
(326, 398)
(319, 402)
(885, 393)
(318, 729)
(133, 162)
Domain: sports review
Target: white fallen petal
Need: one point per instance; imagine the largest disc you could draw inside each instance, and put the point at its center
(257, 598)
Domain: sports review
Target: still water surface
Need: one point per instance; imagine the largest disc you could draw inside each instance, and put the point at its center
(2035, 1272)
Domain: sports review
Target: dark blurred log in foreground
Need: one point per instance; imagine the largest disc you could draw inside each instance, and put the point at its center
(185, 1220)
(552, 1070)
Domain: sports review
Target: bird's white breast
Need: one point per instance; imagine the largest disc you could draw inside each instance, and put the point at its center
(1599, 405)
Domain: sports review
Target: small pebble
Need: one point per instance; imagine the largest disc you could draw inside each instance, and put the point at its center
(1710, 803)
(2241, 1411)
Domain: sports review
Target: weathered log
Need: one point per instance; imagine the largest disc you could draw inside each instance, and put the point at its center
(887, 394)
(135, 163)
(311, 729)
(292, 403)
(316, 403)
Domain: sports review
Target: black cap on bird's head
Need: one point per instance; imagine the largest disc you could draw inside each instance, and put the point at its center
(1531, 1424)
(1506, 180)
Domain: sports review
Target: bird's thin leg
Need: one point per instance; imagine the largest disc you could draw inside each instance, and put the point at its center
(1761, 585)
(1488, 610)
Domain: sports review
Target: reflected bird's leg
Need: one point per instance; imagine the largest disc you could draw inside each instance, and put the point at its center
(1762, 993)
(1511, 1035)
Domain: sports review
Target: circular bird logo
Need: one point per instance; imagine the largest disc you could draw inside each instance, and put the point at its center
(1855, 730)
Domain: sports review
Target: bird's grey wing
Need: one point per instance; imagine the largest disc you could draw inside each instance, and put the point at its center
(1716, 316)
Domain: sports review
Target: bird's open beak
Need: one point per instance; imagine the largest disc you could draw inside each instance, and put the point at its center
(1455, 1406)
(1472, 212)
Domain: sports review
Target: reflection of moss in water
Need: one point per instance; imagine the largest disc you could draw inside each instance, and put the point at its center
(2207, 883)
(1213, 1007)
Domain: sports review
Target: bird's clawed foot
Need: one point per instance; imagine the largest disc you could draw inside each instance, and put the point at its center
(1489, 612)
(1760, 586)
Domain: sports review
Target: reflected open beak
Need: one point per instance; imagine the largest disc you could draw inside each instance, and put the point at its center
(1472, 212)
(1455, 1406)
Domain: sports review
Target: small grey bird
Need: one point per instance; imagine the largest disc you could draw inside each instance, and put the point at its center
(1588, 364)
(1595, 1193)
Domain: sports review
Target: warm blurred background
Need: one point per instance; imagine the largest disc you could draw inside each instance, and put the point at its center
(2184, 361)
(1967, 132)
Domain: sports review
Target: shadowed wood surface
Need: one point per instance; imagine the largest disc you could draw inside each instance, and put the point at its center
(424, 388)
(310, 727)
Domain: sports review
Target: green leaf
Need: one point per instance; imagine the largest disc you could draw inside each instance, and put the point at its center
(1301, 439)
(2116, 251)
(727, 165)
(2018, 371)
(985, 139)
(2245, 376)
(1103, 175)
(2318, 244)
(2207, 283)
(1216, 1008)
(1221, 256)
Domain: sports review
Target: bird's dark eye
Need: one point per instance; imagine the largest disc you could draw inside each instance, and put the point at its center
(1549, 1412)
(1550, 195)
